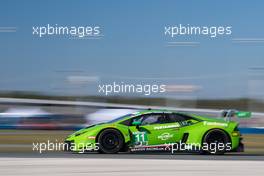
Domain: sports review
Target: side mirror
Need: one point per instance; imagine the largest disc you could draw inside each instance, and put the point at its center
(136, 123)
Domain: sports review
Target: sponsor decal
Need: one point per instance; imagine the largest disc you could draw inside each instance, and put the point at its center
(162, 147)
(215, 124)
(166, 126)
(165, 136)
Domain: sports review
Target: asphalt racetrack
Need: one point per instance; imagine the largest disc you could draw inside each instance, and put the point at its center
(129, 164)
(17, 158)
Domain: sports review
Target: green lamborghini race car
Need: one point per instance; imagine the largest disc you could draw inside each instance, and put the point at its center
(157, 130)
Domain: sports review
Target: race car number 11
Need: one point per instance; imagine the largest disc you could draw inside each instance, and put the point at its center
(140, 138)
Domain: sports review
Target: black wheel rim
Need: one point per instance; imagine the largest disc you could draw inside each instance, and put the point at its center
(110, 141)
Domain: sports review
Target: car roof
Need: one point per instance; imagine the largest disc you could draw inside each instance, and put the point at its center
(151, 111)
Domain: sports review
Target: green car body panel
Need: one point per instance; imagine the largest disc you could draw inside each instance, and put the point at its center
(157, 134)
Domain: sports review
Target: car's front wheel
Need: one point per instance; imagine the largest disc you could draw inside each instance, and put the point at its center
(110, 141)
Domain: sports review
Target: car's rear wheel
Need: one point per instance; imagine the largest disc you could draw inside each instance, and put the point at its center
(110, 141)
(215, 142)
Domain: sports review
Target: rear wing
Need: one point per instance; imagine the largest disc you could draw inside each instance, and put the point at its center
(230, 113)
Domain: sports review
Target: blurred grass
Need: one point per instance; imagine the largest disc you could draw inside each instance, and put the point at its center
(22, 140)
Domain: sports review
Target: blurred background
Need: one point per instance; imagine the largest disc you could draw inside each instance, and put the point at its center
(49, 85)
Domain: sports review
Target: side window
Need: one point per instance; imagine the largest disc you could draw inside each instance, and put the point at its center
(127, 122)
(150, 119)
(137, 119)
(175, 117)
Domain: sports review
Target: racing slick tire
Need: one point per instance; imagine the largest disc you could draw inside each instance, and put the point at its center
(216, 138)
(110, 141)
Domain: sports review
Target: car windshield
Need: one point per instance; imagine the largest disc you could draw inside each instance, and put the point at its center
(119, 118)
